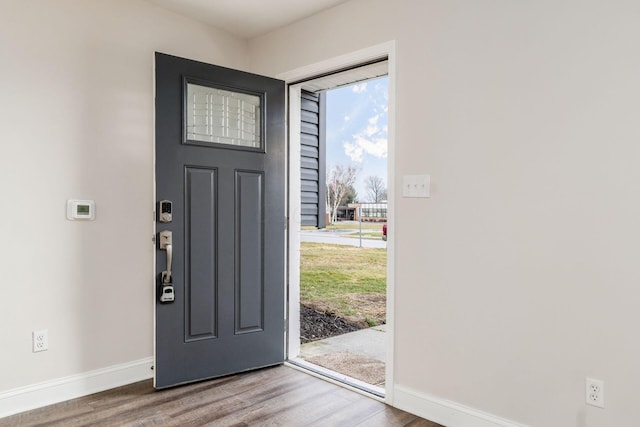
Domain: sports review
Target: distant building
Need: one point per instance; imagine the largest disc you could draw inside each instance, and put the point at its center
(373, 212)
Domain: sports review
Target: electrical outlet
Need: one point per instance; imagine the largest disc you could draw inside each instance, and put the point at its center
(595, 392)
(40, 340)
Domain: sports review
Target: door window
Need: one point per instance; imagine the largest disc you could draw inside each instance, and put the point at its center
(220, 116)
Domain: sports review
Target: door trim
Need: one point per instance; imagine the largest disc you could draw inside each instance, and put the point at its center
(341, 62)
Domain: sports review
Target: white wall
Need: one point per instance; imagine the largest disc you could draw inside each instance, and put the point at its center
(519, 276)
(76, 121)
(516, 280)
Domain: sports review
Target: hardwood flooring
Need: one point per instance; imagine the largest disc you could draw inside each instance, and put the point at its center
(279, 396)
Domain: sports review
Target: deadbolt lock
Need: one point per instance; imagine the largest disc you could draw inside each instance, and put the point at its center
(165, 208)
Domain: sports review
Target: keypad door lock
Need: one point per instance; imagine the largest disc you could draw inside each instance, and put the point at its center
(165, 208)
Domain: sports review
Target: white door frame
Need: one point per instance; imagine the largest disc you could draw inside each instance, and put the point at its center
(293, 270)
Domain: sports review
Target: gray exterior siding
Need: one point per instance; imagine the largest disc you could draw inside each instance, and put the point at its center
(312, 159)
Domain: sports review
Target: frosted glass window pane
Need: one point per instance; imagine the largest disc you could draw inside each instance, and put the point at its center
(222, 116)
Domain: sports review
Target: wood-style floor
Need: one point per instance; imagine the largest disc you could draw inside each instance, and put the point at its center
(279, 396)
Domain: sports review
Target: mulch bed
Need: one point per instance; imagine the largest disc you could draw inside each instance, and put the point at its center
(316, 325)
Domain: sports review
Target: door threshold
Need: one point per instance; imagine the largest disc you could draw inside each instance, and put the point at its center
(334, 377)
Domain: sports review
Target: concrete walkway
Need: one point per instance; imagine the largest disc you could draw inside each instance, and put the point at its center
(371, 342)
(337, 238)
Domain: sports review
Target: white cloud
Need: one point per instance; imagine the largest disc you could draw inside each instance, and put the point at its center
(371, 140)
(376, 147)
(362, 87)
(360, 146)
(372, 127)
(353, 151)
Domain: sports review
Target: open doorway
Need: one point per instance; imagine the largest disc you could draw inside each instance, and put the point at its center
(342, 270)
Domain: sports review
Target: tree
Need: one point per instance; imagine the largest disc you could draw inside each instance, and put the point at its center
(376, 190)
(352, 195)
(340, 178)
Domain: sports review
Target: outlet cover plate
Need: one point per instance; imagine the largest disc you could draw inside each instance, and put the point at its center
(594, 392)
(40, 340)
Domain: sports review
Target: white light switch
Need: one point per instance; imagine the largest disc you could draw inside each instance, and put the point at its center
(416, 186)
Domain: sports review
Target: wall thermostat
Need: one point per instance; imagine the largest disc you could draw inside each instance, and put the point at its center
(81, 210)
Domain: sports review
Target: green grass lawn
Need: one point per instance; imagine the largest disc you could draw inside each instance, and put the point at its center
(347, 281)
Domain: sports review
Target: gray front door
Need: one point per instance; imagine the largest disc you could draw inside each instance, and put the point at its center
(220, 161)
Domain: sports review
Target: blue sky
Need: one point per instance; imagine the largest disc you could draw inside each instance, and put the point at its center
(357, 129)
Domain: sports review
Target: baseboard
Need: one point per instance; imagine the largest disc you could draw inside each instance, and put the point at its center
(55, 391)
(447, 413)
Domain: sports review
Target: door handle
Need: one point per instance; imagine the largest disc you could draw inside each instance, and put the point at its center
(166, 243)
